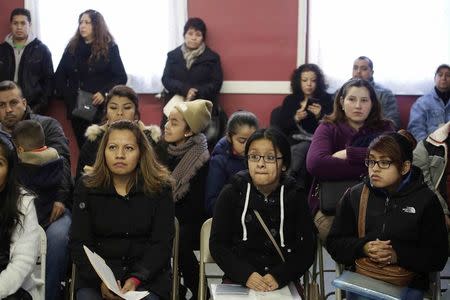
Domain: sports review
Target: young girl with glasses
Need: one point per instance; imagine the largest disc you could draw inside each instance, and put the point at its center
(238, 242)
(404, 222)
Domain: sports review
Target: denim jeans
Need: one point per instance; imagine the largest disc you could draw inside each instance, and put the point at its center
(57, 255)
(94, 294)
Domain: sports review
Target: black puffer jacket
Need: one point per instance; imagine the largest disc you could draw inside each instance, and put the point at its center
(133, 234)
(412, 219)
(35, 72)
(239, 254)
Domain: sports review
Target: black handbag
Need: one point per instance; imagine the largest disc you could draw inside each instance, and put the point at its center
(84, 109)
(330, 192)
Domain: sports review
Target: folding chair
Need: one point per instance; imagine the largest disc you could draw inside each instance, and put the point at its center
(205, 257)
(40, 264)
(376, 289)
(72, 282)
(175, 257)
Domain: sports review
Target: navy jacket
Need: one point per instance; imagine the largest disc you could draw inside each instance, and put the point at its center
(50, 182)
(222, 166)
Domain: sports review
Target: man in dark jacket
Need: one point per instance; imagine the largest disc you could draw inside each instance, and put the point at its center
(14, 108)
(25, 60)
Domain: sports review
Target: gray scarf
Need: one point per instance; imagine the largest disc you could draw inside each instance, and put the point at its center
(191, 55)
(195, 154)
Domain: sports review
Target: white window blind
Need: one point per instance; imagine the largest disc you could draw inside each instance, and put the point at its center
(406, 40)
(144, 31)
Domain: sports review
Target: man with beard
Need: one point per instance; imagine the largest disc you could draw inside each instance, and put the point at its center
(14, 108)
(363, 69)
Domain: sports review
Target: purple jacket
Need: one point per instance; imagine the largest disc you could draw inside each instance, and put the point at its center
(330, 138)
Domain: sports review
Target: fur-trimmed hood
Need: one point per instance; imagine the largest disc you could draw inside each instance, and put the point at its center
(95, 131)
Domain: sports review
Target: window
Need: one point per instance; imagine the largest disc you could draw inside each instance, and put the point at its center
(144, 31)
(406, 39)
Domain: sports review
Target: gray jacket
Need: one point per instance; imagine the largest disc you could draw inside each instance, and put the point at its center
(430, 156)
(388, 103)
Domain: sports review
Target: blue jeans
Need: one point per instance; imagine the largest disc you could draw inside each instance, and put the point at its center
(94, 294)
(407, 294)
(57, 255)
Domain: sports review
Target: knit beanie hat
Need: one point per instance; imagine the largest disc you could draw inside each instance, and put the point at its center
(197, 113)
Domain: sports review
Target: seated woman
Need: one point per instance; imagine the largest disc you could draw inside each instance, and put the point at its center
(121, 104)
(123, 211)
(301, 112)
(228, 157)
(339, 145)
(19, 230)
(404, 224)
(238, 242)
(187, 159)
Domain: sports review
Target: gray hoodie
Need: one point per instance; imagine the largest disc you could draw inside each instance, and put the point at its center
(18, 51)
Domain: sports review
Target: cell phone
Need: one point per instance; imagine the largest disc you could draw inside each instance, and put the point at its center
(231, 289)
(313, 100)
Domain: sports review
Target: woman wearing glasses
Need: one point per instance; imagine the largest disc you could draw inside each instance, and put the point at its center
(238, 242)
(404, 222)
(339, 144)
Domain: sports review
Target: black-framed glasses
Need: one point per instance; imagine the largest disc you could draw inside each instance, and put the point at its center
(266, 158)
(382, 164)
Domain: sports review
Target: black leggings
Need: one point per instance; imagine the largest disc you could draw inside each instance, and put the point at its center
(189, 241)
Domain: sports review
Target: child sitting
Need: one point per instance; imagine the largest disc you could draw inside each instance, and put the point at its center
(47, 174)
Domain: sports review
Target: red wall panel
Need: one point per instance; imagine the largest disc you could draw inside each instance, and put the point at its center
(6, 6)
(256, 39)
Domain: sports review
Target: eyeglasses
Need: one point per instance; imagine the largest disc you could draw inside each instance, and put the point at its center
(267, 158)
(382, 164)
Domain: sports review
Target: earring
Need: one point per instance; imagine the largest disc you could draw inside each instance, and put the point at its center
(283, 169)
(185, 135)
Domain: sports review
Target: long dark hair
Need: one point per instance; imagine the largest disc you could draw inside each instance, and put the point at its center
(321, 86)
(102, 36)
(10, 195)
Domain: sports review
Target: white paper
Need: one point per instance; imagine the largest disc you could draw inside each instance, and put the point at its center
(171, 104)
(107, 276)
(289, 292)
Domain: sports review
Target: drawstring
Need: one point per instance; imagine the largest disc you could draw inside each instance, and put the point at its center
(244, 212)
(282, 215)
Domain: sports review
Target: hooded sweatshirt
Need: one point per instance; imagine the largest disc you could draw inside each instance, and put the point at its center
(238, 242)
(18, 51)
(43, 173)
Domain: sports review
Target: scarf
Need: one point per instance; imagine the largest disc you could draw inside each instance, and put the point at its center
(194, 154)
(191, 55)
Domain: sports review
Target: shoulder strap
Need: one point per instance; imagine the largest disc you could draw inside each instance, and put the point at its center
(362, 211)
(261, 221)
